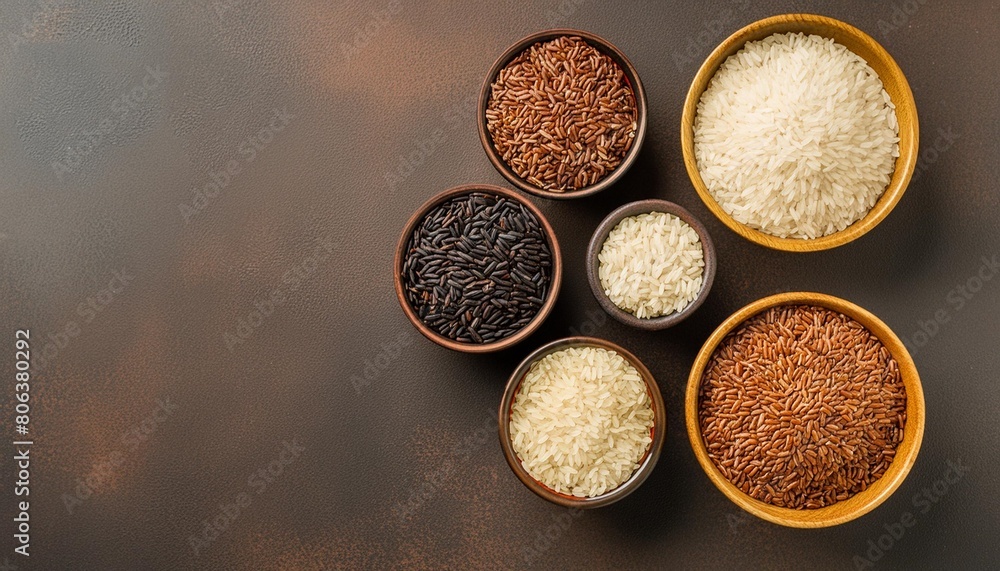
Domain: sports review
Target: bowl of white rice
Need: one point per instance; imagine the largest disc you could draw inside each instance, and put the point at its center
(582, 422)
(799, 132)
(650, 264)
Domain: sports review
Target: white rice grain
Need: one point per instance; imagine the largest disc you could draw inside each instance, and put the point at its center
(652, 264)
(796, 136)
(581, 421)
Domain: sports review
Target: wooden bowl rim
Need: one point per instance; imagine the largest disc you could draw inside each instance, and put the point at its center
(645, 466)
(601, 234)
(400, 256)
(631, 76)
(905, 106)
(862, 502)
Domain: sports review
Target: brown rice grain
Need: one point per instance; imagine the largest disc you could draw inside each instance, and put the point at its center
(802, 407)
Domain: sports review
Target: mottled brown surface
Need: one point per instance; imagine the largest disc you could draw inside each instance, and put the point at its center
(421, 424)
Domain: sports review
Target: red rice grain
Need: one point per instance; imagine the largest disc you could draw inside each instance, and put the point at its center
(802, 407)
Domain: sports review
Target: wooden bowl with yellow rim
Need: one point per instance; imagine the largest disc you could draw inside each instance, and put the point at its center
(895, 85)
(858, 504)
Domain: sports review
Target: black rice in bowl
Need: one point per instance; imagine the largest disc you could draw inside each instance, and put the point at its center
(477, 268)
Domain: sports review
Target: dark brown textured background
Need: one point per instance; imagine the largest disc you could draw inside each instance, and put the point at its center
(401, 466)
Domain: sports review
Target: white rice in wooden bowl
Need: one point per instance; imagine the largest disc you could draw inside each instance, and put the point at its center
(796, 136)
(652, 264)
(581, 421)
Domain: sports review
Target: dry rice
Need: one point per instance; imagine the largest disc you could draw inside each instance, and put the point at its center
(796, 136)
(652, 264)
(581, 421)
(802, 407)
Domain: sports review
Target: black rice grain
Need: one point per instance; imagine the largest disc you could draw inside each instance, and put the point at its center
(477, 268)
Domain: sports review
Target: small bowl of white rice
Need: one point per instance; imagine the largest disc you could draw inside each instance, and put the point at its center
(650, 264)
(799, 132)
(582, 422)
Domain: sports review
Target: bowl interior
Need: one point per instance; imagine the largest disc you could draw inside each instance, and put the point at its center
(862, 502)
(400, 257)
(645, 465)
(631, 77)
(895, 85)
(594, 264)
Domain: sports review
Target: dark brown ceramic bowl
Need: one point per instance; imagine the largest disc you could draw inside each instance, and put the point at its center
(593, 264)
(400, 256)
(631, 75)
(645, 466)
